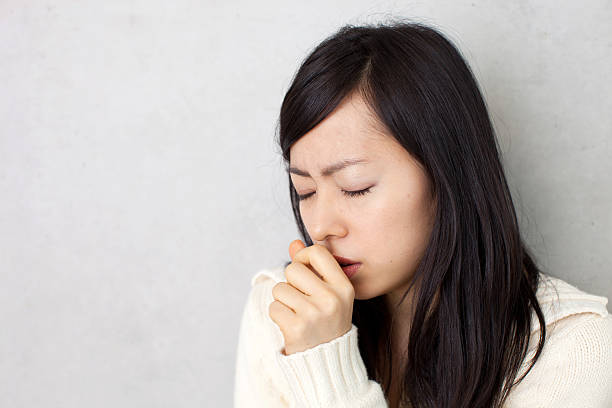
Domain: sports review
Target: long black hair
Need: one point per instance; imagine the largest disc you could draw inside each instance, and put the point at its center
(477, 281)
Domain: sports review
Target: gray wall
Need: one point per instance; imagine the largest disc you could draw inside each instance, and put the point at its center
(141, 189)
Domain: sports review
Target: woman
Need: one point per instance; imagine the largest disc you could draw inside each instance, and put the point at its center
(394, 168)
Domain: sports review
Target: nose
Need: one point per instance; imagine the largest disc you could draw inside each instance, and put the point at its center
(325, 218)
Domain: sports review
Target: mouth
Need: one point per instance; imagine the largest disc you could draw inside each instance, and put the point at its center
(345, 261)
(349, 266)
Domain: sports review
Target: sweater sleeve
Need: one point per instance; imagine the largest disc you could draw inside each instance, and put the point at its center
(331, 374)
(254, 385)
(574, 369)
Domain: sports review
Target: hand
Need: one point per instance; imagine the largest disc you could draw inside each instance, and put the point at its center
(315, 305)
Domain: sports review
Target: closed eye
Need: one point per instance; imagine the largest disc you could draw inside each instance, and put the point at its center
(347, 193)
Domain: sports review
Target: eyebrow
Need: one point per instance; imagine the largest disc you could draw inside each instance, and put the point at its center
(329, 170)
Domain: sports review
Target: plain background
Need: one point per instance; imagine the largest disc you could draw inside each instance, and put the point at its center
(140, 187)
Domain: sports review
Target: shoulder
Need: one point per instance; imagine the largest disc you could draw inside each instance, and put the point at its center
(559, 300)
(568, 311)
(576, 362)
(574, 369)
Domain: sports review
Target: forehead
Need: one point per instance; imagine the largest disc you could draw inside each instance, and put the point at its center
(350, 131)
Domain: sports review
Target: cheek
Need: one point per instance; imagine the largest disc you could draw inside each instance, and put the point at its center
(397, 230)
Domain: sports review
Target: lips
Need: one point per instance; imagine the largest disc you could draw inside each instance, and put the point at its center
(344, 261)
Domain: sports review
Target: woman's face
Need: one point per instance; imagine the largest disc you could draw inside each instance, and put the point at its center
(388, 227)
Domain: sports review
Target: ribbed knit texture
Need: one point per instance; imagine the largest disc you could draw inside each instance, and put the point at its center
(574, 370)
(332, 375)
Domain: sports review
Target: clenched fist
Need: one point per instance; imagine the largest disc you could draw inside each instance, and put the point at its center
(315, 305)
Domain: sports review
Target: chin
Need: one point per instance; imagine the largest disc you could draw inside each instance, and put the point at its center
(363, 292)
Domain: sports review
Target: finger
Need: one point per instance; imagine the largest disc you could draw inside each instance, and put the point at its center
(295, 246)
(281, 314)
(304, 279)
(323, 262)
(291, 297)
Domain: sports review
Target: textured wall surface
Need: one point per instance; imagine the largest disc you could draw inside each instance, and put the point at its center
(140, 187)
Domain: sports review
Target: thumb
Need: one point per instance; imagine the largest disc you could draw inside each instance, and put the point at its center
(295, 246)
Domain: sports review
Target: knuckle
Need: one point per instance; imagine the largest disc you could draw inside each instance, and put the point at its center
(275, 290)
(311, 313)
(331, 305)
(275, 311)
(317, 248)
(290, 270)
(272, 308)
(298, 329)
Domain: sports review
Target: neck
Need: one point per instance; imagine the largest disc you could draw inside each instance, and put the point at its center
(403, 311)
(403, 314)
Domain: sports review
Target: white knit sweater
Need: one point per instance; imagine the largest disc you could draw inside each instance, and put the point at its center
(574, 369)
